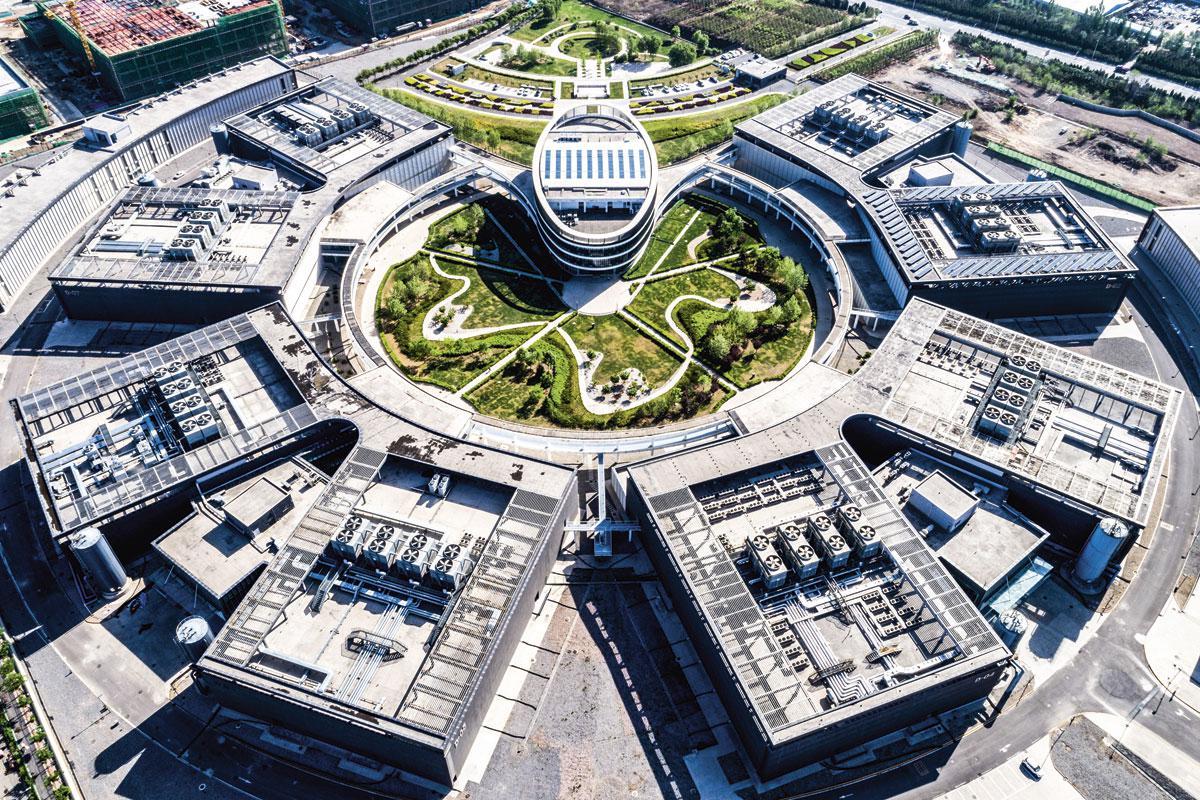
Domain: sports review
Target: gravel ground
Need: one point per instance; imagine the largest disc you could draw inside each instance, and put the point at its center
(1082, 757)
(617, 717)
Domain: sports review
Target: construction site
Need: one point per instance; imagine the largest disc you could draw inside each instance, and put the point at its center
(144, 47)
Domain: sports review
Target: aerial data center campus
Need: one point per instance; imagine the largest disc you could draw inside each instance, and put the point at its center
(361, 547)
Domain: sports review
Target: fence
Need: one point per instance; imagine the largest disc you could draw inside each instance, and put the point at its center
(1066, 175)
(1166, 124)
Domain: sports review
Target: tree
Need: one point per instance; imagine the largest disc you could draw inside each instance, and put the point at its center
(648, 44)
(549, 9)
(675, 32)
(727, 231)
(793, 276)
(701, 40)
(717, 346)
(681, 54)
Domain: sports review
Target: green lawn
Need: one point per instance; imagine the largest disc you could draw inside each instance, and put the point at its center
(763, 360)
(488, 76)
(548, 65)
(668, 228)
(507, 137)
(774, 359)
(650, 306)
(678, 138)
(501, 298)
(690, 76)
(520, 394)
(575, 11)
(623, 346)
(489, 244)
(449, 364)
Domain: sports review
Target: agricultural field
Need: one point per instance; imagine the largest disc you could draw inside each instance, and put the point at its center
(770, 27)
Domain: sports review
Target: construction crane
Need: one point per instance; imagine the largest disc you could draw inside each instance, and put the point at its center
(78, 26)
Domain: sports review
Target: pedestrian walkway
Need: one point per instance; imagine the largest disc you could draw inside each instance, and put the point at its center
(1009, 782)
(1173, 652)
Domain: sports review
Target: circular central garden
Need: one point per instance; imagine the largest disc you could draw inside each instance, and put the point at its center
(481, 311)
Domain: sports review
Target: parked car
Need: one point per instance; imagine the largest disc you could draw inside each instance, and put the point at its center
(1031, 768)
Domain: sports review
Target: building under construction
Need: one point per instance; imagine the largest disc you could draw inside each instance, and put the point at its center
(21, 109)
(380, 17)
(145, 47)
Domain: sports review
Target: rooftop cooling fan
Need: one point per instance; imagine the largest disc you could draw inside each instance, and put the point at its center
(821, 522)
(991, 412)
(452, 551)
(1018, 401)
(418, 541)
(851, 513)
(866, 533)
(773, 563)
(444, 565)
(791, 532)
(354, 522)
(1025, 382)
(1017, 361)
(1001, 395)
(1011, 377)
(836, 542)
(1034, 366)
(759, 542)
(805, 553)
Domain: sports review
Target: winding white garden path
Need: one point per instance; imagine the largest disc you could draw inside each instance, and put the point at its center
(459, 314)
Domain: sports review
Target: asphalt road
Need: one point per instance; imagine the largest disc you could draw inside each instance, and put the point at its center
(1110, 672)
(893, 15)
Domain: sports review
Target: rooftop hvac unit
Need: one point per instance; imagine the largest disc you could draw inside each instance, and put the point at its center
(994, 241)
(997, 421)
(877, 131)
(867, 543)
(850, 513)
(767, 563)
(818, 526)
(360, 111)
(348, 541)
(1026, 366)
(309, 135)
(344, 119)
(1001, 395)
(439, 484)
(1011, 380)
(380, 548)
(412, 559)
(834, 549)
(450, 568)
(858, 125)
(799, 554)
(181, 386)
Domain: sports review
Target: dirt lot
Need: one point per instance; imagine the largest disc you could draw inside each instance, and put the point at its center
(1057, 132)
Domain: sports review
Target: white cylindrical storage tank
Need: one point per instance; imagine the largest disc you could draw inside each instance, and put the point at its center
(1106, 538)
(960, 137)
(194, 635)
(97, 558)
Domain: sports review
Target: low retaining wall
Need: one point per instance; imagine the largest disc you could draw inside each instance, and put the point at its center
(1166, 124)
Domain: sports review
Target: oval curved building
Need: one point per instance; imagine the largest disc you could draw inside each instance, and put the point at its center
(595, 177)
